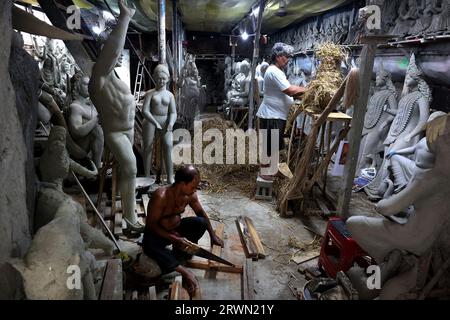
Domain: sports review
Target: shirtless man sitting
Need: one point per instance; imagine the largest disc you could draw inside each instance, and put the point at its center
(165, 226)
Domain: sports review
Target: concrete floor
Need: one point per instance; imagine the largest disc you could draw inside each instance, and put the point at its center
(274, 275)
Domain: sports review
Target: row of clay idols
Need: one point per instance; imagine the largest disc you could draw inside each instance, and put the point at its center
(414, 181)
(237, 83)
(391, 128)
(412, 177)
(400, 18)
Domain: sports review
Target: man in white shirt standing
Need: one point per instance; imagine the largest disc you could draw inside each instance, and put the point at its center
(277, 101)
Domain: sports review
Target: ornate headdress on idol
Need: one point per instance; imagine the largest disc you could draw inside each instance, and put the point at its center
(416, 73)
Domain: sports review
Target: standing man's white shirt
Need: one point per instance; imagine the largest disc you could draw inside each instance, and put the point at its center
(276, 104)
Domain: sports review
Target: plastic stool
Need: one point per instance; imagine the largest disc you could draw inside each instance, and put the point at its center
(339, 251)
(263, 189)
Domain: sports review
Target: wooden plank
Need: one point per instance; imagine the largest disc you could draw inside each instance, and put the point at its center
(152, 293)
(249, 248)
(217, 250)
(254, 237)
(248, 292)
(177, 292)
(204, 265)
(302, 257)
(100, 273)
(285, 171)
(112, 288)
(355, 135)
(118, 230)
(323, 207)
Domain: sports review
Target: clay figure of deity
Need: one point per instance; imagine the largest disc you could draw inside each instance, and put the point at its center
(238, 95)
(408, 14)
(160, 114)
(406, 129)
(403, 168)
(83, 120)
(381, 110)
(441, 18)
(114, 102)
(428, 193)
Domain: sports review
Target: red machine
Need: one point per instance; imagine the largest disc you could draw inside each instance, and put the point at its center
(339, 251)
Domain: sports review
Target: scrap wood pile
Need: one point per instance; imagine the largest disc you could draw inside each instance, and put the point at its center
(220, 178)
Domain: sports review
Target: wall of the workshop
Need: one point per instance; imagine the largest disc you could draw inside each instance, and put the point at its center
(15, 235)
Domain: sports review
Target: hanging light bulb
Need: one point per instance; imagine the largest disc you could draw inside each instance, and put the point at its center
(244, 35)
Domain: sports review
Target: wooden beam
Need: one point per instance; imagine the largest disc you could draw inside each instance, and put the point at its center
(357, 124)
(255, 238)
(177, 292)
(249, 248)
(217, 250)
(112, 288)
(248, 291)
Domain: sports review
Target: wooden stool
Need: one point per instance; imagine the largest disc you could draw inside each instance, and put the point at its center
(263, 189)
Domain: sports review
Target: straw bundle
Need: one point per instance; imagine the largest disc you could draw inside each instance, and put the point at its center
(219, 178)
(328, 79)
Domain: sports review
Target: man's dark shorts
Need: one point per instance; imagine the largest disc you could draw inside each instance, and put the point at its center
(271, 125)
(154, 246)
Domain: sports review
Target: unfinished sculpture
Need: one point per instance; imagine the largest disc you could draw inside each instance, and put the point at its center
(238, 95)
(428, 192)
(425, 16)
(403, 168)
(408, 14)
(191, 92)
(55, 249)
(83, 120)
(405, 131)
(51, 75)
(380, 113)
(115, 104)
(228, 73)
(63, 233)
(441, 19)
(160, 114)
(260, 72)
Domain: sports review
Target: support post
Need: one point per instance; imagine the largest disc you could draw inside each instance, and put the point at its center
(162, 31)
(355, 135)
(175, 45)
(262, 4)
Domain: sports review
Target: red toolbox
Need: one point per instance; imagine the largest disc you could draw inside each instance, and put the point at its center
(339, 251)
